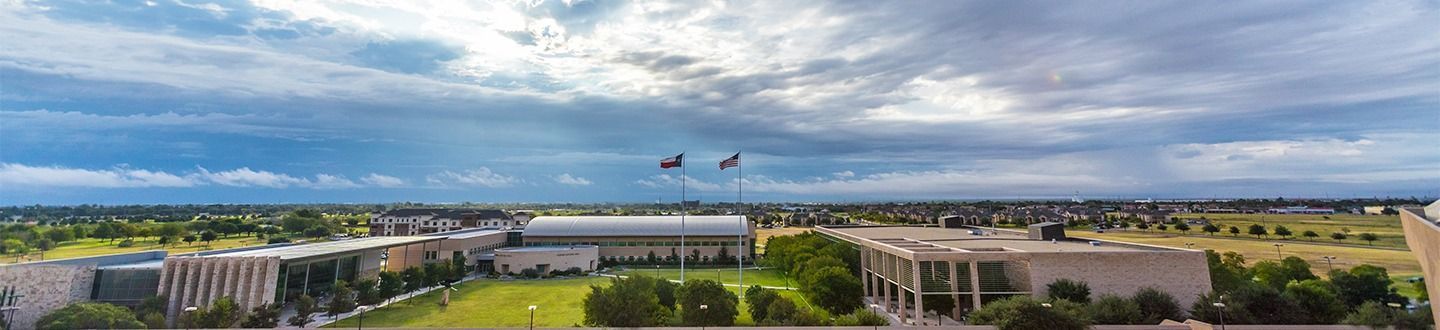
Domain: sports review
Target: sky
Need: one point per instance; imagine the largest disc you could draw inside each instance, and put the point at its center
(268, 101)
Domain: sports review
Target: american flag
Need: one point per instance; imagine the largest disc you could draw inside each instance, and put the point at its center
(733, 161)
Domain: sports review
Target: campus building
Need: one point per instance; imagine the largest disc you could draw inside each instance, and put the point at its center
(973, 266)
(251, 275)
(1422, 235)
(633, 238)
(475, 246)
(544, 259)
(406, 222)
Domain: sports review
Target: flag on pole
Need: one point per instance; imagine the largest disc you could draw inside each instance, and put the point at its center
(672, 161)
(733, 161)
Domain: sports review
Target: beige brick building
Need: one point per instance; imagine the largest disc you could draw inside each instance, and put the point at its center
(974, 267)
(1422, 234)
(633, 238)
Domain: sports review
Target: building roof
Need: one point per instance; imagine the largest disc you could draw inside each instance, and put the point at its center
(466, 233)
(553, 248)
(926, 239)
(629, 226)
(302, 251)
(447, 213)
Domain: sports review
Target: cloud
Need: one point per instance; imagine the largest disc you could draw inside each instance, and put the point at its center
(19, 175)
(567, 179)
(382, 180)
(480, 177)
(843, 174)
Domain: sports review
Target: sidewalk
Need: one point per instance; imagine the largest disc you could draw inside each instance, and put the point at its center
(320, 319)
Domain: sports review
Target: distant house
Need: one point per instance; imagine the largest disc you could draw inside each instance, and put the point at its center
(1300, 210)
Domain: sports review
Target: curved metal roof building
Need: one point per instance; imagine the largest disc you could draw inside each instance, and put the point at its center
(623, 226)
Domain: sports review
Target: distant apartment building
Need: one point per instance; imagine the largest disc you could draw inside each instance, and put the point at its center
(1300, 210)
(408, 222)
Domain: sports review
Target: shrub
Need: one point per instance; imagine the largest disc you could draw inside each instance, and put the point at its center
(277, 240)
(1157, 306)
(90, 316)
(1023, 312)
(861, 318)
(1074, 291)
(1110, 309)
(529, 273)
(126, 243)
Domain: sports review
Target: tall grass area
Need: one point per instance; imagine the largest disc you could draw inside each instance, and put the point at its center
(1386, 227)
(90, 247)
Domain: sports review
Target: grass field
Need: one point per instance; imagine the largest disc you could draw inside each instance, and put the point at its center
(1387, 227)
(94, 247)
(494, 303)
(763, 235)
(764, 277)
(489, 303)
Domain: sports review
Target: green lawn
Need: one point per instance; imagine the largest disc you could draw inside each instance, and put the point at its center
(765, 277)
(489, 303)
(93, 247)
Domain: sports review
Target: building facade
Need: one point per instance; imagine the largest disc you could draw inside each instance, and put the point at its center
(544, 259)
(407, 222)
(974, 268)
(635, 238)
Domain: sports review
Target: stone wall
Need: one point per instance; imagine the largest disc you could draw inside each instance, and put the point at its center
(1183, 274)
(46, 288)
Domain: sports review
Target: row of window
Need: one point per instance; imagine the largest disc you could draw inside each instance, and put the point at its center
(637, 244)
(478, 250)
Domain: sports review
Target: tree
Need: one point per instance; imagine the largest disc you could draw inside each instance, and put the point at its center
(190, 239)
(1338, 236)
(342, 299)
(1211, 229)
(1281, 231)
(1310, 234)
(861, 317)
(1364, 283)
(304, 307)
(627, 302)
(832, 288)
(781, 311)
(940, 304)
(166, 240)
(1142, 226)
(1257, 230)
(665, 293)
(723, 256)
(1157, 306)
(391, 285)
(1227, 272)
(1277, 274)
(44, 244)
(208, 236)
(1023, 312)
(436, 272)
(759, 299)
(1317, 299)
(1369, 238)
(1182, 227)
(1111, 309)
(367, 292)
(89, 315)
(650, 257)
(1161, 226)
(59, 235)
(105, 230)
(1075, 291)
(721, 304)
(223, 313)
(152, 320)
(263, 316)
(1372, 314)
(414, 279)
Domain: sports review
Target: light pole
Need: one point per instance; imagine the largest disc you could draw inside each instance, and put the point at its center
(1277, 251)
(189, 310)
(704, 315)
(11, 318)
(1329, 262)
(361, 309)
(532, 317)
(1220, 308)
(876, 309)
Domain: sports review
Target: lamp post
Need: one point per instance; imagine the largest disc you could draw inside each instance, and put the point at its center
(189, 310)
(532, 317)
(1329, 262)
(1277, 251)
(876, 309)
(1220, 308)
(704, 315)
(361, 309)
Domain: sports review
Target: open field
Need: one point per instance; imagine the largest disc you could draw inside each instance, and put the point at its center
(1387, 227)
(764, 277)
(494, 303)
(763, 235)
(94, 247)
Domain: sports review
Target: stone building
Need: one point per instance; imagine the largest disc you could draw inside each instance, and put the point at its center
(975, 267)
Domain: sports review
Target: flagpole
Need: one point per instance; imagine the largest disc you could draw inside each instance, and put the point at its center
(740, 249)
(682, 218)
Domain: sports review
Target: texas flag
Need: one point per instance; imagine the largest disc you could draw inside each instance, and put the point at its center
(677, 161)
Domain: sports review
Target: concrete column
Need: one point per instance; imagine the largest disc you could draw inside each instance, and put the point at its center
(232, 284)
(955, 287)
(242, 283)
(222, 278)
(176, 268)
(164, 279)
(885, 281)
(899, 289)
(192, 282)
(202, 286)
(864, 269)
(919, 291)
(975, 284)
(271, 275)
